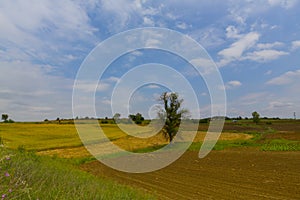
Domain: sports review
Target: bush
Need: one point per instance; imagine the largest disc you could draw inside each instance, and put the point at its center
(10, 121)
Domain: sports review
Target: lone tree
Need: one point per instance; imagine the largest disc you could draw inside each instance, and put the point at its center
(172, 113)
(255, 116)
(4, 117)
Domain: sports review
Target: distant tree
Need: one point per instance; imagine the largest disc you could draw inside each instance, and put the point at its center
(116, 117)
(5, 117)
(172, 113)
(10, 121)
(58, 120)
(132, 117)
(137, 118)
(255, 117)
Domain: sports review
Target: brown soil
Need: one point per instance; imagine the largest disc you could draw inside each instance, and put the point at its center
(230, 174)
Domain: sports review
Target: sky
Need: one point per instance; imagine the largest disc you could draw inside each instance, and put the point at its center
(254, 44)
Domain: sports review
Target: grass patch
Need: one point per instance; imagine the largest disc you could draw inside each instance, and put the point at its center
(281, 145)
(24, 175)
(221, 145)
(148, 149)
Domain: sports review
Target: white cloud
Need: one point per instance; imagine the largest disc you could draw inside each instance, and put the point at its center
(136, 53)
(286, 78)
(283, 3)
(152, 86)
(148, 21)
(28, 92)
(232, 32)
(113, 79)
(181, 25)
(204, 65)
(269, 45)
(209, 37)
(264, 55)
(152, 43)
(233, 84)
(106, 102)
(236, 50)
(87, 86)
(279, 104)
(295, 44)
(43, 30)
(253, 98)
(60, 18)
(122, 11)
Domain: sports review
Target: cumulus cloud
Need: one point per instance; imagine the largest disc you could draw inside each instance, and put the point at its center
(123, 11)
(148, 21)
(269, 45)
(88, 86)
(283, 3)
(233, 84)
(230, 85)
(29, 92)
(206, 66)
(236, 50)
(232, 32)
(113, 79)
(264, 55)
(279, 104)
(286, 78)
(36, 26)
(181, 25)
(295, 44)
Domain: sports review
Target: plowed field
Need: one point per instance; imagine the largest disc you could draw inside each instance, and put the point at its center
(241, 173)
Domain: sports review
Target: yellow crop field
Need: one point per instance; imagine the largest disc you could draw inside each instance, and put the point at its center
(64, 141)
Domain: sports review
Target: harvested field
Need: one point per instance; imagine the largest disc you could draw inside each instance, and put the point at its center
(240, 173)
(131, 143)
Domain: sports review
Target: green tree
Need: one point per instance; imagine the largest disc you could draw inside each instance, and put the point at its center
(255, 117)
(116, 118)
(4, 117)
(171, 113)
(137, 118)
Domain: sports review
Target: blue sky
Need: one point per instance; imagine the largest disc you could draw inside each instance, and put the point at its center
(255, 44)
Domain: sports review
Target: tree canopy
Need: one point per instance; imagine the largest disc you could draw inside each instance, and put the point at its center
(4, 117)
(255, 116)
(137, 118)
(172, 113)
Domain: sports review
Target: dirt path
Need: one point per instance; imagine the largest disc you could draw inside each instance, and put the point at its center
(228, 174)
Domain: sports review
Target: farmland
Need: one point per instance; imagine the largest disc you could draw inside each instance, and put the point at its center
(250, 161)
